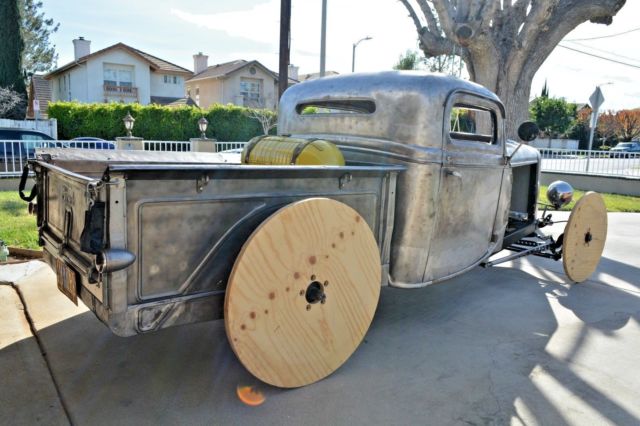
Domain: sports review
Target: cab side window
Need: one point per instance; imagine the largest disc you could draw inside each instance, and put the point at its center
(472, 123)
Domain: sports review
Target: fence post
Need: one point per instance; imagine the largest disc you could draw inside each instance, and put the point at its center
(130, 143)
(203, 145)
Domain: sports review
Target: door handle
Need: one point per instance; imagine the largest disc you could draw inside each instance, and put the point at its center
(453, 173)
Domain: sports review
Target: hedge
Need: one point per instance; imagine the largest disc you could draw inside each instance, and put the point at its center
(153, 122)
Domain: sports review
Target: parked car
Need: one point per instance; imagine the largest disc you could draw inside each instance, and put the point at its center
(625, 149)
(20, 144)
(88, 142)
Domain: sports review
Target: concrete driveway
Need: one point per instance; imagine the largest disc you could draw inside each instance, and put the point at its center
(511, 344)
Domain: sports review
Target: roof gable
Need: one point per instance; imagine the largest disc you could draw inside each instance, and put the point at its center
(227, 68)
(155, 63)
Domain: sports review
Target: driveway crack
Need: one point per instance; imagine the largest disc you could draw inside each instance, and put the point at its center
(41, 348)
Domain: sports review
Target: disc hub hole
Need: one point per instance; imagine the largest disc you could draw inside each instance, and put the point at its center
(315, 293)
(588, 237)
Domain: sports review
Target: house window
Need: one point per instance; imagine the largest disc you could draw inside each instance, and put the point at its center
(198, 96)
(166, 78)
(250, 90)
(118, 75)
(175, 79)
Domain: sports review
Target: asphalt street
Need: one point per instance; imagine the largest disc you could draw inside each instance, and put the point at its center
(513, 344)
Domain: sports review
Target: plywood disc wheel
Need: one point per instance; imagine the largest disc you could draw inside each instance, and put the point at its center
(584, 237)
(303, 292)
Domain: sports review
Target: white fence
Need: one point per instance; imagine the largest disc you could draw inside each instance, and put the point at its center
(15, 153)
(555, 143)
(604, 163)
(50, 127)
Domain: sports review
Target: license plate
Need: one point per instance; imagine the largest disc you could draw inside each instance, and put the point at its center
(67, 282)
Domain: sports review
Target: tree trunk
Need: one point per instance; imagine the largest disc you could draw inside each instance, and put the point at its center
(504, 43)
(12, 45)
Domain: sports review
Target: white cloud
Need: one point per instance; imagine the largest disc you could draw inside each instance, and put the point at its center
(570, 74)
(347, 22)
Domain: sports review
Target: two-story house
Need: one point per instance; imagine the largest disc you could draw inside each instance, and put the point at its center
(118, 73)
(239, 82)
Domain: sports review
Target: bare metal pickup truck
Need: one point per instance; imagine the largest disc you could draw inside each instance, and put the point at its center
(293, 256)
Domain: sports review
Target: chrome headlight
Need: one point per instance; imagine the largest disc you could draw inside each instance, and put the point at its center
(559, 194)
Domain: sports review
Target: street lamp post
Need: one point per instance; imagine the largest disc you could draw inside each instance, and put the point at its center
(202, 125)
(353, 57)
(128, 123)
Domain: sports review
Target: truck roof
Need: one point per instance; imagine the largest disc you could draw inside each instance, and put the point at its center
(402, 106)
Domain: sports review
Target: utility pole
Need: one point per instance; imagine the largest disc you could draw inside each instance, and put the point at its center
(323, 38)
(285, 46)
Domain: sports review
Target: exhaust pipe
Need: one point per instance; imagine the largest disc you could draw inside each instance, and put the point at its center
(113, 260)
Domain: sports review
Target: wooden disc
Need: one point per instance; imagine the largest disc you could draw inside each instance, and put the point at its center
(584, 237)
(303, 292)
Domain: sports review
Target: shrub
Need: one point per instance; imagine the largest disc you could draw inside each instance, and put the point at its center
(153, 122)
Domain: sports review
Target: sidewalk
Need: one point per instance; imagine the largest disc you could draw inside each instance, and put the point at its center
(510, 344)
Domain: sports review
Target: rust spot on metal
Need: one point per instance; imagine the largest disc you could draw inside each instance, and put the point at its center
(287, 289)
(353, 233)
(333, 245)
(357, 218)
(242, 327)
(266, 311)
(312, 260)
(272, 295)
(296, 275)
(341, 234)
(252, 315)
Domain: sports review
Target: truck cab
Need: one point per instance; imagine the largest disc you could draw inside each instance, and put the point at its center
(463, 193)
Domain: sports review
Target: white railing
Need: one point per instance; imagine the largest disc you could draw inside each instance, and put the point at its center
(606, 163)
(226, 146)
(171, 146)
(15, 153)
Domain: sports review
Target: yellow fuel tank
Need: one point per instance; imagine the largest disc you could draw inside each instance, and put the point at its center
(284, 150)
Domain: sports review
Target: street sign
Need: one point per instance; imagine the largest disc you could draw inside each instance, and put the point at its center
(596, 99)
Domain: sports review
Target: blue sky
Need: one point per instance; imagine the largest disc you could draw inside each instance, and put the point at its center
(248, 29)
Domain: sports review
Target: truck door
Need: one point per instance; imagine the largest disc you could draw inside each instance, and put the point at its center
(471, 175)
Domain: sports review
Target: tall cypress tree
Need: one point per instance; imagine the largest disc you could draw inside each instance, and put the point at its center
(12, 45)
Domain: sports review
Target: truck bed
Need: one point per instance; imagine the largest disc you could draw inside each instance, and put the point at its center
(182, 218)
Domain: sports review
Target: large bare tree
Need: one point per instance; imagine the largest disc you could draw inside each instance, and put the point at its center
(503, 42)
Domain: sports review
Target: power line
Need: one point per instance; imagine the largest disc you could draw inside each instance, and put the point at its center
(606, 51)
(600, 57)
(605, 36)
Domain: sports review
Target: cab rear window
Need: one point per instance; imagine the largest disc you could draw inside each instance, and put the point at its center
(471, 123)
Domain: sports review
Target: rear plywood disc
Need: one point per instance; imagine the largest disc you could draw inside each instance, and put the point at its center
(584, 237)
(303, 292)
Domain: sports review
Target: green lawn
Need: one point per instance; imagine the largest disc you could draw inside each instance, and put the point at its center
(614, 202)
(17, 227)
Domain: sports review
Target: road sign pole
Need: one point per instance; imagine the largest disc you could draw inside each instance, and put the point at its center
(596, 99)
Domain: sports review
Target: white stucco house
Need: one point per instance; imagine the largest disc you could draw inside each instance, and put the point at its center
(118, 73)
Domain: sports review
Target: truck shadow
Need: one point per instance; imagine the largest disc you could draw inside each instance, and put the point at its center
(479, 349)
